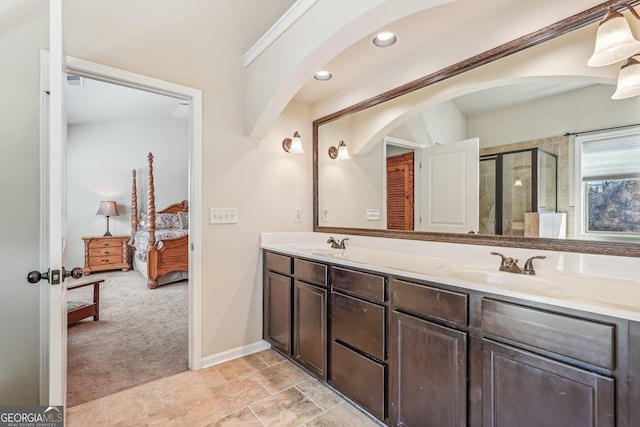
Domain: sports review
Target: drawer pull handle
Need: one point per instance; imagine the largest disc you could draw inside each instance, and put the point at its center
(106, 252)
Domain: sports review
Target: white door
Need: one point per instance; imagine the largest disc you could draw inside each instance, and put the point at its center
(24, 31)
(450, 184)
(54, 338)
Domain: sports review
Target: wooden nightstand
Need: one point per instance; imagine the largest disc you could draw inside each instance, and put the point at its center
(106, 253)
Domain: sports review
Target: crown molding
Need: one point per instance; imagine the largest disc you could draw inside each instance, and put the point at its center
(299, 8)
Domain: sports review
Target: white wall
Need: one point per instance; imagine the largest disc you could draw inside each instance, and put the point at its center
(580, 110)
(100, 158)
(257, 177)
(24, 32)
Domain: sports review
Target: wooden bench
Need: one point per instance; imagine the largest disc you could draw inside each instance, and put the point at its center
(77, 311)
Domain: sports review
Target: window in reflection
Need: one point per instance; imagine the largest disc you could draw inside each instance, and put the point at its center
(609, 176)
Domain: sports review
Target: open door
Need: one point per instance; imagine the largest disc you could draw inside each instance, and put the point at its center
(53, 326)
(451, 200)
(400, 191)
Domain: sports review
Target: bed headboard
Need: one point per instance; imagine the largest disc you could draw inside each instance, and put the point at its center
(183, 206)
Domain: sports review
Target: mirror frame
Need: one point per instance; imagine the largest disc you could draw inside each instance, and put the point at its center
(559, 28)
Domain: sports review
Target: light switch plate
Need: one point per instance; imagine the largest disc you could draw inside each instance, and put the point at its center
(373, 214)
(223, 215)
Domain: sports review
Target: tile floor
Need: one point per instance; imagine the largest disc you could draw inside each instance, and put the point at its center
(263, 389)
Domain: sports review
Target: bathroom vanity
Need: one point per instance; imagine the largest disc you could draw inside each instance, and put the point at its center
(415, 340)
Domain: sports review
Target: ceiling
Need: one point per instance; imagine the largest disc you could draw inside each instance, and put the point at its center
(424, 34)
(94, 101)
(418, 34)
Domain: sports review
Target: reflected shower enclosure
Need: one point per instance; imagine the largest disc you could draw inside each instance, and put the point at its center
(514, 183)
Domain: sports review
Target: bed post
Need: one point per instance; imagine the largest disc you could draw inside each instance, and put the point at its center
(134, 204)
(151, 226)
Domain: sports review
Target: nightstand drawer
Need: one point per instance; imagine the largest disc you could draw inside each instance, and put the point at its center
(105, 243)
(109, 251)
(105, 260)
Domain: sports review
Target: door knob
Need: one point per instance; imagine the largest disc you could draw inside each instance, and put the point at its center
(75, 273)
(35, 276)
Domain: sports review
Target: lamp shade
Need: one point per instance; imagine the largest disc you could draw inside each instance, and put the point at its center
(628, 80)
(296, 144)
(343, 152)
(108, 208)
(614, 41)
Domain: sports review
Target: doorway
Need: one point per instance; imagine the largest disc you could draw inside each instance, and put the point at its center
(88, 69)
(110, 130)
(400, 191)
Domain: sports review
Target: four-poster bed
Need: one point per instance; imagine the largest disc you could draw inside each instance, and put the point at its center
(159, 239)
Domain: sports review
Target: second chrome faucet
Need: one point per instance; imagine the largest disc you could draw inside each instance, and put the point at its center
(510, 265)
(337, 244)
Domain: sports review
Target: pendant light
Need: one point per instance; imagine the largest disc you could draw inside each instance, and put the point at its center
(614, 40)
(628, 80)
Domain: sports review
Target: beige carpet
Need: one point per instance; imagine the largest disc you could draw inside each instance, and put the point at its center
(142, 335)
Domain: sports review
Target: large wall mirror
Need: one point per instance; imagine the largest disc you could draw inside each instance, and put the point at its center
(520, 146)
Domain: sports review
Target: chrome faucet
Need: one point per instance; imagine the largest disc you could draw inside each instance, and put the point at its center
(510, 265)
(337, 245)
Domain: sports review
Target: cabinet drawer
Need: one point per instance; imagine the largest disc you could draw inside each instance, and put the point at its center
(358, 323)
(105, 260)
(359, 378)
(278, 263)
(105, 243)
(430, 302)
(100, 252)
(365, 285)
(310, 271)
(580, 339)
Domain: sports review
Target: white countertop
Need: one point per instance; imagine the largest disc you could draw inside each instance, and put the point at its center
(556, 282)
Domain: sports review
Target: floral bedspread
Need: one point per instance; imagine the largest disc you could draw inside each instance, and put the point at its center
(141, 240)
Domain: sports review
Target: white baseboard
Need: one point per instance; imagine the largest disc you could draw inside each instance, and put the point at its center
(234, 353)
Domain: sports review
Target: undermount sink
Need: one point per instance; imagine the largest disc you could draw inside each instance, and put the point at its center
(324, 251)
(507, 280)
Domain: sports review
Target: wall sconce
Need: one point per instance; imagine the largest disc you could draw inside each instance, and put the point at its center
(108, 209)
(615, 43)
(340, 153)
(293, 145)
(628, 80)
(517, 182)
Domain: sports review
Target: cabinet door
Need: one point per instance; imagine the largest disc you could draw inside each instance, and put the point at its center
(527, 390)
(277, 311)
(310, 328)
(428, 373)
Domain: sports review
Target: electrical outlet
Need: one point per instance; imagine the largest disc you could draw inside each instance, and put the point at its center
(325, 215)
(297, 215)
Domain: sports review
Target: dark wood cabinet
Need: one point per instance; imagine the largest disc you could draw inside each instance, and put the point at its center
(428, 378)
(359, 324)
(419, 353)
(360, 378)
(277, 311)
(528, 390)
(310, 327)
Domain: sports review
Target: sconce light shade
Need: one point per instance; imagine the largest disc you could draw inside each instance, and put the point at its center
(108, 208)
(614, 40)
(293, 145)
(628, 80)
(340, 153)
(517, 182)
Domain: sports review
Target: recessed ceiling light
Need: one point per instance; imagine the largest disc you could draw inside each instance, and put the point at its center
(323, 75)
(384, 39)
